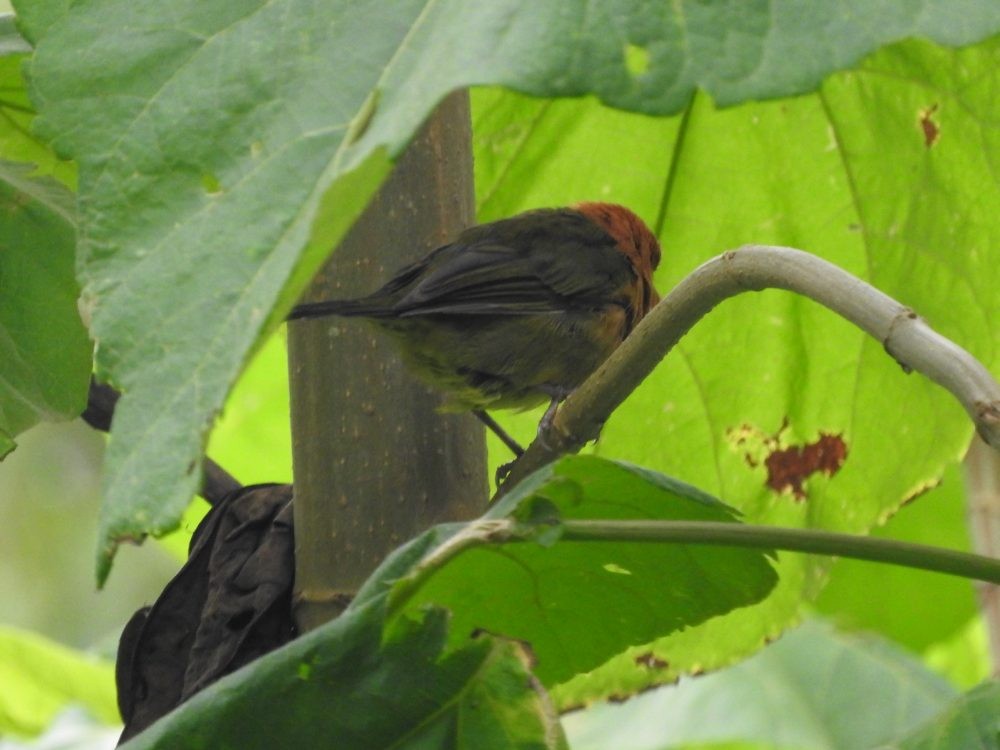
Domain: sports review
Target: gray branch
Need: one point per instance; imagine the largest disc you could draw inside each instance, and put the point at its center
(905, 336)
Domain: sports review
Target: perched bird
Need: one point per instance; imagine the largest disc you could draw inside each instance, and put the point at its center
(517, 311)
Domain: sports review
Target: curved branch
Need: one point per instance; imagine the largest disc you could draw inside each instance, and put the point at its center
(905, 336)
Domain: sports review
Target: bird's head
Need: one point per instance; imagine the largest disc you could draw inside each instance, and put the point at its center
(635, 240)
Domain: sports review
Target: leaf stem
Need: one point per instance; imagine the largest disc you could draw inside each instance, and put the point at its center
(475, 534)
(907, 554)
(493, 531)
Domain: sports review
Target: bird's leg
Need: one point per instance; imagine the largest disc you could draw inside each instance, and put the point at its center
(499, 431)
(503, 469)
(546, 421)
(558, 394)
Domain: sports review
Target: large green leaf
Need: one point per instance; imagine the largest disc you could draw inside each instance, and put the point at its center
(909, 606)
(73, 729)
(251, 440)
(44, 352)
(815, 689)
(216, 140)
(17, 141)
(346, 686)
(846, 173)
(39, 678)
(972, 721)
(578, 603)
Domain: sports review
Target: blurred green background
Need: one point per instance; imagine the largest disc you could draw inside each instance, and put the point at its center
(50, 500)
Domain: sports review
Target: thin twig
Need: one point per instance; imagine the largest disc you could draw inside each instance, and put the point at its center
(493, 531)
(813, 541)
(101, 401)
(907, 338)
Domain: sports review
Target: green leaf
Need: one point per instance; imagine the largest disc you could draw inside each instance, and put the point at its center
(11, 41)
(43, 347)
(845, 173)
(34, 18)
(44, 352)
(73, 729)
(255, 415)
(972, 721)
(964, 658)
(217, 142)
(906, 605)
(815, 689)
(345, 685)
(39, 678)
(577, 604)
(17, 141)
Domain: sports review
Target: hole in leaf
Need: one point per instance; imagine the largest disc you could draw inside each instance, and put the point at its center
(636, 60)
(613, 568)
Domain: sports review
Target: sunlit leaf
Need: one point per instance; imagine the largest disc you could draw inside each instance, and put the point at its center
(815, 689)
(44, 352)
(972, 721)
(40, 678)
(578, 603)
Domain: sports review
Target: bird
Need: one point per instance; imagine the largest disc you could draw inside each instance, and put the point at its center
(519, 311)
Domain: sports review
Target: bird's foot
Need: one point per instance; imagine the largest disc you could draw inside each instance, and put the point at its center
(558, 395)
(503, 470)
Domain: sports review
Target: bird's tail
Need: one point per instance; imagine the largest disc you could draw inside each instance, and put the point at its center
(364, 307)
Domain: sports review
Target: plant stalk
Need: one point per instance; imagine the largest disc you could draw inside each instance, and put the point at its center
(907, 554)
(375, 462)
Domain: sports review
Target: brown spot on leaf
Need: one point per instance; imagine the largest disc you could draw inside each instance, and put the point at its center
(649, 660)
(745, 437)
(930, 129)
(788, 468)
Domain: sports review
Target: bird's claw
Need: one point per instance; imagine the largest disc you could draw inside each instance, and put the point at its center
(502, 472)
(558, 395)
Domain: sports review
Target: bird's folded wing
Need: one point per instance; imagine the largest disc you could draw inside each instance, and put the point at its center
(489, 278)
